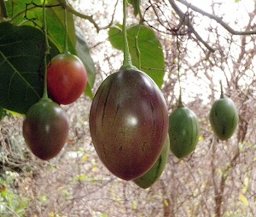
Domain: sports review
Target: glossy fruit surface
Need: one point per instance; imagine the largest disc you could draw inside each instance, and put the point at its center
(224, 118)
(155, 172)
(183, 131)
(128, 123)
(45, 129)
(66, 78)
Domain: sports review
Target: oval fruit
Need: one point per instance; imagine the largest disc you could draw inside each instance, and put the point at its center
(150, 177)
(224, 118)
(45, 129)
(66, 78)
(128, 123)
(183, 131)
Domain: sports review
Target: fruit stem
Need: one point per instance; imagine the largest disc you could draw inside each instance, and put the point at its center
(127, 64)
(221, 90)
(66, 30)
(180, 103)
(47, 51)
(3, 9)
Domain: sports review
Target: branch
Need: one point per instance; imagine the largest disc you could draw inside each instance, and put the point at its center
(217, 19)
(70, 9)
(186, 21)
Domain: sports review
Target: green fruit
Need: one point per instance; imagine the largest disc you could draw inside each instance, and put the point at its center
(183, 131)
(224, 118)
(45, 129)
(155, 172)
(128, 123)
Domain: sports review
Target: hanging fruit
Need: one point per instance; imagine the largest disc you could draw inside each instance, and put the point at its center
(45, 128)
(66, 75)
(66, 79)
(223, 117)
(128, 119)
(128, 123)
(183, 131)
(156, 171)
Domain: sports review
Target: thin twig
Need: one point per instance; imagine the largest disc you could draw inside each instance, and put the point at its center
(188, 23)
(217, 19)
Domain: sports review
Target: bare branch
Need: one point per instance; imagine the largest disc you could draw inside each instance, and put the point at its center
(187, 22)
(217, 19)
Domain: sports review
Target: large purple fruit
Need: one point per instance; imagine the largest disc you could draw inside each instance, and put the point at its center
(128, 123)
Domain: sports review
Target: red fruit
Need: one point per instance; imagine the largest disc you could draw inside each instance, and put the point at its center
(45, 129)
(66, 78)
(128, 123)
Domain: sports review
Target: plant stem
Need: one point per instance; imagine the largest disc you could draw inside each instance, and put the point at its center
(3, 9)
(221, 90)
(45, 95)
(180, 103)
(127, 64)
(66, 30)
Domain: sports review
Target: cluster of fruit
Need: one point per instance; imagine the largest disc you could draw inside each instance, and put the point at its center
(133, 133)
(46, 127)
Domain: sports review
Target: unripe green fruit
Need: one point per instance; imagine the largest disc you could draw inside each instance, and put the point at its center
(155, 172)
(224, 118)
(183, 131)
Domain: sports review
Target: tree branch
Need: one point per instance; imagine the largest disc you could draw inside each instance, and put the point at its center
(217, 19)
(186, 21)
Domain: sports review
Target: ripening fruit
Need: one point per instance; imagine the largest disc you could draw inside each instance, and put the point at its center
(128, 123)
(45, 129)
(155, 172)
(183, 131)
(224, 118)
(66, 78)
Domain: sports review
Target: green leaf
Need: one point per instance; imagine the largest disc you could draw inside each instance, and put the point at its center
(21, 66)
(145, 49)
(54, 17)
(136, 6)
(84, 54)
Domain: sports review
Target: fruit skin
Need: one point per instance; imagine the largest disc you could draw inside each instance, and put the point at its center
(224, 118)
(128, 123)
(45, 129)
(66, 78)
(150, 177)
(183, 131)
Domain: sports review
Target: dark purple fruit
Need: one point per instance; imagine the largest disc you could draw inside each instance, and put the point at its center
(45, 129)
(128, 123)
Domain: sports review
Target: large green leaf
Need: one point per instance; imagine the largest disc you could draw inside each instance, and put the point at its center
(145, 49)
(84, 53)
(21, 66)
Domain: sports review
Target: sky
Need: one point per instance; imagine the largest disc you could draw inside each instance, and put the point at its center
(236, 14)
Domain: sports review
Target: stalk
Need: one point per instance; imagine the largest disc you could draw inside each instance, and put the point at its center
(47, 51)
(127, 63)
(66, 31)
(221, 90)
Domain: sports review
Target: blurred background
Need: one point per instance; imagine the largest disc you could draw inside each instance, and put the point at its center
(217, 179)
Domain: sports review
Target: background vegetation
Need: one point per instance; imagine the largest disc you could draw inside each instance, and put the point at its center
(205, 44)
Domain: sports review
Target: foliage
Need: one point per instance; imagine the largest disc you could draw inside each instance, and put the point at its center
(25, 72)
(21, 67)
(145, 49)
